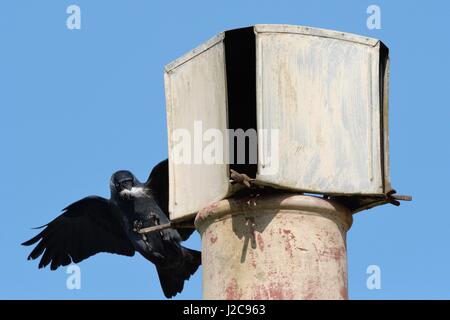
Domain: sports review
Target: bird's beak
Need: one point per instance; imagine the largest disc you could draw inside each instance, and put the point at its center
(128, 184)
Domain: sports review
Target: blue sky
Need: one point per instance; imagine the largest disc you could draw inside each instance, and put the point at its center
(71, 99)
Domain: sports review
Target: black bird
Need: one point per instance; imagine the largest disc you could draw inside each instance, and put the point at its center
(95, 224)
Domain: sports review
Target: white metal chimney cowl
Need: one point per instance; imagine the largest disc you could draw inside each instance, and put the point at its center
(317, 101)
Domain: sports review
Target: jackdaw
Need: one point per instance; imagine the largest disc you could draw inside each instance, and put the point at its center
(95, 224)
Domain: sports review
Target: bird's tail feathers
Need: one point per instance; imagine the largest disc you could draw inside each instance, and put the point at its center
(172, 281)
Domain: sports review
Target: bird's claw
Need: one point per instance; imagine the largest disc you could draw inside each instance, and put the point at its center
(155, 219)
(241, 178)
(157, 222)
(137, 225)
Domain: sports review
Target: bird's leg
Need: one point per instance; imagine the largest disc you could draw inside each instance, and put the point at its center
(241, 178)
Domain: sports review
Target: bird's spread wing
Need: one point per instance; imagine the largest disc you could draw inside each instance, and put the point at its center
(158, 183)
(85, 228)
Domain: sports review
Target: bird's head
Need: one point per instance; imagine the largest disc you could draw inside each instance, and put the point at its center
(122, 182)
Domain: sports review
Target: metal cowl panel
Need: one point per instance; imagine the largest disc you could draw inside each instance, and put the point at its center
(196, 100)
(321, 90)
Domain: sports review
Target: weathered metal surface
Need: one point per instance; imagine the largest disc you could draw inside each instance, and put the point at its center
(325, 91)
(196, 91)
(322, 94)
(275, 247)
